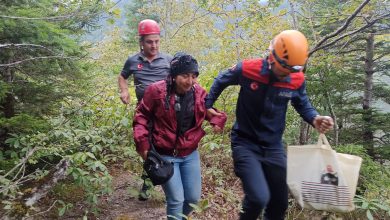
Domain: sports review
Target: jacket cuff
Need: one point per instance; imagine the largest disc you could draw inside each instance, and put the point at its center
(142, 146)
(311, 119)
(219, 120)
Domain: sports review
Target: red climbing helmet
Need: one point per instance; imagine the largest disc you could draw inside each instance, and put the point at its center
(147, 27)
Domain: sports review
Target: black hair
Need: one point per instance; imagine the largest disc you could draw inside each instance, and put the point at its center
(169, 82)
(183, 63)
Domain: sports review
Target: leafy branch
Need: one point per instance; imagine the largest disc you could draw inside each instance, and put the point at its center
(37, 58)
(194, 18)
(24, 46)
(369, 24)
(339, 30)
(54, 18)
(58, 18)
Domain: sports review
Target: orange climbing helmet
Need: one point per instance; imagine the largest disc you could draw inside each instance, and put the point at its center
(290, 50)
(147, 27)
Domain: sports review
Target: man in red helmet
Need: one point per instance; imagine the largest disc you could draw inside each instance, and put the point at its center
(147, 66)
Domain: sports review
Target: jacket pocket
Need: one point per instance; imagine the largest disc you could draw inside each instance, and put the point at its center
(192, 138)
(164, 139)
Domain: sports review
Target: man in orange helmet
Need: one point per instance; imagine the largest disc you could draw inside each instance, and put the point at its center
(147, 66)
(267, 86)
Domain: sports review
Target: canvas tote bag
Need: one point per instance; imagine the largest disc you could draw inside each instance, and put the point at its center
(319, 178)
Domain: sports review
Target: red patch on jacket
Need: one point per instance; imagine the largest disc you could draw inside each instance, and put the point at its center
(140, 66)
(254, 85)
(252, 70)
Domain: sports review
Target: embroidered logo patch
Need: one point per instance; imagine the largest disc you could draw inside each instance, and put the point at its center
(140, 66)
(285, 94)
(254, 85)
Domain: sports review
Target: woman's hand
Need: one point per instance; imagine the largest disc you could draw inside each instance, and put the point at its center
(144, 154)
(211, 113)
(217, 129)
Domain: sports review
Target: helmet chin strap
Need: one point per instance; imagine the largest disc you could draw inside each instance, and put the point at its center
(270, 58)
(271, 61)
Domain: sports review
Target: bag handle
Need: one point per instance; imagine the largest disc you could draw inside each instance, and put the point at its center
(156, 154)
(322, 140)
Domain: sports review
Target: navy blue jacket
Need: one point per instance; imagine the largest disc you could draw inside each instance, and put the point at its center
(263, 100)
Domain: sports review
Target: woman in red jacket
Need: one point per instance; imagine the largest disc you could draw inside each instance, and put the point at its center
(176, 106)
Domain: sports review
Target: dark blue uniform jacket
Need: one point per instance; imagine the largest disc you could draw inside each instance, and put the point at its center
(263, 100)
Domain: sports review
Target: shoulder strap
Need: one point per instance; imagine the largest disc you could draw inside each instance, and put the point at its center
(180, 114)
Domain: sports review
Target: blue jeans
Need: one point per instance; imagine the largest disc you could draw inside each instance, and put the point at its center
(184, 187)
(262, 171)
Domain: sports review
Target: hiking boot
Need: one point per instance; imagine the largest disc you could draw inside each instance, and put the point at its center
(144, 194)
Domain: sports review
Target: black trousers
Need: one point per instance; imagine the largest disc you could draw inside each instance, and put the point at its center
(263, 174)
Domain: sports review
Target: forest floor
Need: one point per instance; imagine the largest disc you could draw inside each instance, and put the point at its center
(121, 204)
(124, 205)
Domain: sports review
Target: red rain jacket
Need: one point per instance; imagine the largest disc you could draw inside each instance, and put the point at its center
(152, 107)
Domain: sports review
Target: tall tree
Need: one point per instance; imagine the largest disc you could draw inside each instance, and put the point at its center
(40, 53)
(344, 35)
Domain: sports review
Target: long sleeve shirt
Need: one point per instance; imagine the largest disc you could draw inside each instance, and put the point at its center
(263, 100)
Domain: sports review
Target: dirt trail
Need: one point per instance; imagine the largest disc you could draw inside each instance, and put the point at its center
(121, 205)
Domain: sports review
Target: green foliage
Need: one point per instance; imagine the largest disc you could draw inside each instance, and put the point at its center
(221, 187)
(92, 175)
(68, 107)
(347, 60)
(373, 176)
(134, 15)
(3, 90)
(24, 124)
(64, 207)
(372, 207)
(41, 50)
(89, 134)
(46, 76)
(372, 197)
(201, 206)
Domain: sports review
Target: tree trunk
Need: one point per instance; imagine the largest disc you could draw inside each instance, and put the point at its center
(55, 175)
(331, 111)
(368, 134)
(304, 132)
(294, 18)
(8, 104)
